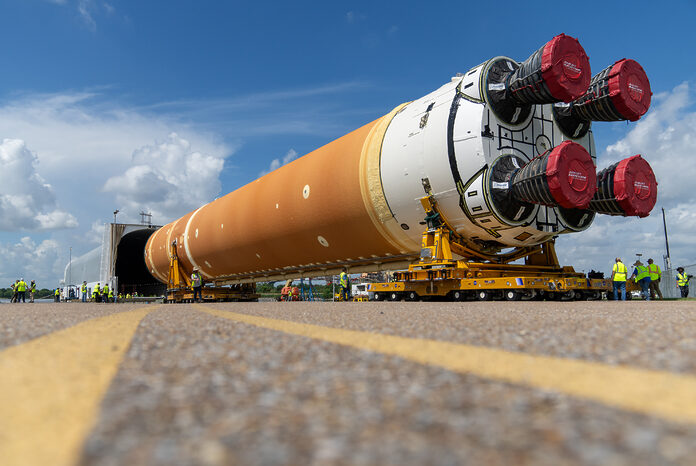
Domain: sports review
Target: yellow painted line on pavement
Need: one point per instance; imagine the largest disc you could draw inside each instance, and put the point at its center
(51, 388)
(666, 395)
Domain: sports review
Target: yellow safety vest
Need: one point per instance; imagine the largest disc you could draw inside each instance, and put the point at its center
(344, 279)
(655, 272)
(105, 290)
(21, 286)
(95, 290)
(642, 272)
(619, 272)
(33, 288)
(84, 288)
(682, 279)
(57, 293)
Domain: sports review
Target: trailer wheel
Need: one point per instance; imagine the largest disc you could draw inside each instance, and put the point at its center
(484, 295)
(411, 296)
(458, 295)
(379, 297)
(394, 296)
(512, 295)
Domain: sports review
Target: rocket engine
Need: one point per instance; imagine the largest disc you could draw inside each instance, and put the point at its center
(506, 149)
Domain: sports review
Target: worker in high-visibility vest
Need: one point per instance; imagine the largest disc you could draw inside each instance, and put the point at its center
(56, 295)
(289, 297)
(21, 288)
(83, 289)
(683, 282)
(96, 293)
(344, 281)
(655, 277)
(642, 277)
(105, 293)
(197, 284)
(618, 276)
(32, 291)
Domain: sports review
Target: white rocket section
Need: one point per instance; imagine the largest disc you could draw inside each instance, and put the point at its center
(415, 147)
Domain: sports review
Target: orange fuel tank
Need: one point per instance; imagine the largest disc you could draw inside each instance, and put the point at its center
(317, 213)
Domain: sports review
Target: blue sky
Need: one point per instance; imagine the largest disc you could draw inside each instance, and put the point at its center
(105, 101)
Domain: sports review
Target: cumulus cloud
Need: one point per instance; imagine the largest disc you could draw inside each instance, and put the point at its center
(27, 202)
(30, 260)
(277, 163)
(666, 138)
(167, 179)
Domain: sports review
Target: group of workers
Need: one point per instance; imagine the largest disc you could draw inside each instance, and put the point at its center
(19, 291)
(100, 294)
(648, 277)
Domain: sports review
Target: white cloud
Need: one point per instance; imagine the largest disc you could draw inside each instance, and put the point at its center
(27, 202)
(83, 8)
(43, 262)
(277, 163)
(82, 141)
(666, 138)
(168, 179)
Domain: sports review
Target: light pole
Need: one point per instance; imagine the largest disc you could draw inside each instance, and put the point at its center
(115, 212)
(69, 273)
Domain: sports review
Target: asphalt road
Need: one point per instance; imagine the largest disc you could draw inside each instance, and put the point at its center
(544, 383)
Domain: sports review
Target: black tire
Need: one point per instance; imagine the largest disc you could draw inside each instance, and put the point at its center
(458, 295)
(379, 297)
(412, 296)
(394, 296)
(513, 295)
(484, 295)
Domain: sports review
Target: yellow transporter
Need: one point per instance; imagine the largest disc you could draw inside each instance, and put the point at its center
(438, 274)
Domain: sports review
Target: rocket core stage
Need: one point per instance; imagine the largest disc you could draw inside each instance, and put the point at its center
(506, 148)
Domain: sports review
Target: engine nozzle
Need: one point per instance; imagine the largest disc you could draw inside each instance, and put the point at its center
(557, 72)
(626, 188)
(564, 176)
(617, 93)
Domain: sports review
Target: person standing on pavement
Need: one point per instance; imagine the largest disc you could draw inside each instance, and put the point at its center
(105, 293)
(618, 277)
(655, 277)
(56, 295)
(683, 282)
(21, 288)
(642, 277)
(14, 291)
(344, 281)
(197, 284)
(83, 289)
(32, 291)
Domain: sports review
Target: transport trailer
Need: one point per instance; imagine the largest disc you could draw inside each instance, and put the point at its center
(179, 289)
(484, 282)
(438, 275)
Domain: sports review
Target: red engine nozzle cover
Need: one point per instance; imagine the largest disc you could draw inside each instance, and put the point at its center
(565, 68)
(629, 89)
(571, 176)
(635, 186)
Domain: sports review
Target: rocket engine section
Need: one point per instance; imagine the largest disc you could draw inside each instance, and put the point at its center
(506, 149)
